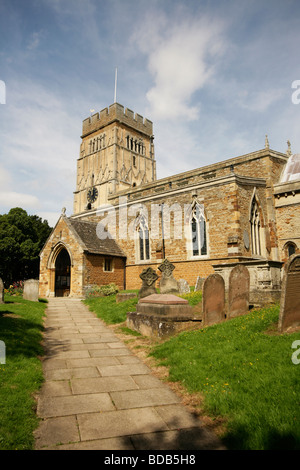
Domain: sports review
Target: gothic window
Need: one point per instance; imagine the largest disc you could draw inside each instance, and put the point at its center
(134, 161)
(255, 228)
(289, 249)
(143, 239)
(198, 231)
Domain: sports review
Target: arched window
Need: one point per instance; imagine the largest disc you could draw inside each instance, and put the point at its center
(143, 239)
(198, 231)
(290, 249)
(255, 229)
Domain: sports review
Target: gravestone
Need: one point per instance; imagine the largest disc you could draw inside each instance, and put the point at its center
(239, 291)
(162, 315)
(31, 290)
(125, 296)
(213, 299)
(289, 316)
(183, 287)
(1, 292)
(167, 284)
(199, 283)
(149, 277)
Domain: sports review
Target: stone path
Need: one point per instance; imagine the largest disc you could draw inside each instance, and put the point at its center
(98, 395)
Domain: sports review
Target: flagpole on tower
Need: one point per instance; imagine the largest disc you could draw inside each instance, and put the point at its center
(116, 77)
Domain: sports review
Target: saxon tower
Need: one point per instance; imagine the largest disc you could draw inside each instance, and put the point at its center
(116, 153)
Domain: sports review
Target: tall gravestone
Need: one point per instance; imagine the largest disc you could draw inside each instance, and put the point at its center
(239, 291)
(213, 299)
(199, 283)
(1, 292)
(167, 284)
(31, 290)
(290, 295)
(149, 277)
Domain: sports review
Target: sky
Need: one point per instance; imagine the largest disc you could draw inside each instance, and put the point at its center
(214, 77)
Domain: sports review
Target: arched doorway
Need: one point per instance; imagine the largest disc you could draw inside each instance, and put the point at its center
(62, 274)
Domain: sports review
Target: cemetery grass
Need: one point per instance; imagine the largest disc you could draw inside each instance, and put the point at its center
(243, 369)
(111, 312)
(21, 376)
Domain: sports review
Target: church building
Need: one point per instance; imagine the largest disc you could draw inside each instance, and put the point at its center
(242, 210)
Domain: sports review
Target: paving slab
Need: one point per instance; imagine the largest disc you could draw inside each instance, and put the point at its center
(98, 395)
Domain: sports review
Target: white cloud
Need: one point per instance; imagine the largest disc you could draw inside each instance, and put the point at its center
(181, 59)
(260, 100)
(11, 199)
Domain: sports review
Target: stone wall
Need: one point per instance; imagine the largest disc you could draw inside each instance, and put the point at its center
(94, 271)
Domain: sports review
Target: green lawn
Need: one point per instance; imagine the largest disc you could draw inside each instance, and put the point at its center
(244, 370)
(108, 310)
(21, 375)
(241, 367)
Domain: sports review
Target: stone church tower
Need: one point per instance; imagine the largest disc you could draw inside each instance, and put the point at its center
(116, 153)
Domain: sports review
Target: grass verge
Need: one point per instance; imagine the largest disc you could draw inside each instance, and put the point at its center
(21, 375)
(108, 310)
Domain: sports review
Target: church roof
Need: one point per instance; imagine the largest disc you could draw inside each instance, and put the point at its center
(86, 231)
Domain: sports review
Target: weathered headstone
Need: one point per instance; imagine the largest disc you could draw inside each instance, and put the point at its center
(167, 284)
(149, 277)
(290, 295)
(239, 291)
(31, 290)
(199, 283)
(213, 299)
(183, 286)
(1, 292)
(122, 297)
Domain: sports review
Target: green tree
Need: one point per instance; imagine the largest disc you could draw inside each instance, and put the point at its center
(22, 237)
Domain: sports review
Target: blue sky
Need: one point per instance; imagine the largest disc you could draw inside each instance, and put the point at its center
(213, 76)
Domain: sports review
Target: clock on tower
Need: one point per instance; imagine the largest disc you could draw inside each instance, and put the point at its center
(92, 194)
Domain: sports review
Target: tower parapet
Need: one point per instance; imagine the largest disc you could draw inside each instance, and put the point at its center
(116, 113)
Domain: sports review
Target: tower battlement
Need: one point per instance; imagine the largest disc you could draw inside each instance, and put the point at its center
(116, 112)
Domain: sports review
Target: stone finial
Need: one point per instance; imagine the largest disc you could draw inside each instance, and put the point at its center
(63, 211)
(267, 142)
(289, 151)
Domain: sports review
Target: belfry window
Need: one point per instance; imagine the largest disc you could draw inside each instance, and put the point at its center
(198, 231)
(255, 228)
(143, 240)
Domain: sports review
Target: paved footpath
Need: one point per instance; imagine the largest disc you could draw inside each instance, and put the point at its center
(98, 395)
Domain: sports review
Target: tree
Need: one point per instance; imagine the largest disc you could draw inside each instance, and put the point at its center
(22, 237)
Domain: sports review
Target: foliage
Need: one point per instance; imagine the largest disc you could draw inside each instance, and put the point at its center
(245, 374)
(100, 291)
(16, 288)
(21, 375)
(22, 237)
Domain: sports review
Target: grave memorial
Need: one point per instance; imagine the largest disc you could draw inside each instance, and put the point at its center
(160, 315)
(289, 316)
(149, 278)
(213, 300)
(239, 290)
(1, 292)
(31, 290)
(167, 284)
